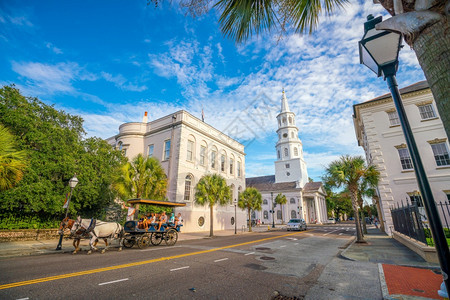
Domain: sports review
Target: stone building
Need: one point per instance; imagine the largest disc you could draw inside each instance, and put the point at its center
(189, 148)
(378, 131)
(304, 199)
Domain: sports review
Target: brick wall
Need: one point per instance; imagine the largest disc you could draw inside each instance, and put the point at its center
(28, 234)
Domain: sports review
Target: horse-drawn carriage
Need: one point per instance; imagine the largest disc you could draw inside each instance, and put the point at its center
(154, 234)
(128, 235)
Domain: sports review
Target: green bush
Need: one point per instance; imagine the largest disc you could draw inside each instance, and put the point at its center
(27, 222)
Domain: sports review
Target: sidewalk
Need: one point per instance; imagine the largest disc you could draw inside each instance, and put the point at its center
(403, 273)
(26, 248)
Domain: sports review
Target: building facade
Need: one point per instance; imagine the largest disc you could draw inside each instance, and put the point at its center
(187, 149)
(304, 199)
(378, 131)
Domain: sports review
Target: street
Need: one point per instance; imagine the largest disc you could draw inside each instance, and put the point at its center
(303, 264)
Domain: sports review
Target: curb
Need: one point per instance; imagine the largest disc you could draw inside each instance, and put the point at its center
(342, 254)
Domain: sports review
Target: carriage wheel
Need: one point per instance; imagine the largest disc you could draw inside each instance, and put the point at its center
(156, 238)
(144, 242)
(171, 237)
(129, 241)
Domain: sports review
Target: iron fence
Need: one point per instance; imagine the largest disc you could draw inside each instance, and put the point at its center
(410, 220)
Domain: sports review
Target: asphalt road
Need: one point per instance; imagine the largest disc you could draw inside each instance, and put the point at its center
(247, 266)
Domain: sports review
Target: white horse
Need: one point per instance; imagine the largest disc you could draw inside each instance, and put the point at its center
(97, 230)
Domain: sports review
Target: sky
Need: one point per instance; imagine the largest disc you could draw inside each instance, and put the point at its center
(110, 61)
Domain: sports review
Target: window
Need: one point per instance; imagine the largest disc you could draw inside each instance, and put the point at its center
(292, 135)
(265, 201)
(166, 149)
(426, 111)
(222, 163)
(202, 155)
(213, 159)
(187, 188)
(405, 159)
(231, 166)
(286, 153)
(239, 191)
(292, 200)
(287, 166)
(440, 152)
(293, 214)
(393, 118)
(232, 188)
(150, 150)
(279, 156)
(284, 121)
(239, 169)
(279, 214)
(416, 198)
(190, 150)
(290, 120)
(295, 151)
(120, 146)
(266, 214)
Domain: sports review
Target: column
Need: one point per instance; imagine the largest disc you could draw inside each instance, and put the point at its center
(317, 210)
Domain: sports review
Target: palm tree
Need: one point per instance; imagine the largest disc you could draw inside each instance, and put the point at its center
(12, 162)
(281, 199)
(423, 24)
(212, 190)
(143, 177)
(250, 199)
(348, 171)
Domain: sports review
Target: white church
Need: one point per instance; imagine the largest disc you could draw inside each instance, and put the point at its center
(305, 199)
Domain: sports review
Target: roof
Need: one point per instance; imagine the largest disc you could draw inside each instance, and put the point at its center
(421, 85)
(267, 183)
(312, 186)
(155, 202)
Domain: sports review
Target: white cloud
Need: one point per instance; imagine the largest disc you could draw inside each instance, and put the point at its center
(121, 82)
(53, 48)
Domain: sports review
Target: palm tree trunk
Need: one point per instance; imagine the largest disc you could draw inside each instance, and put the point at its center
(432, 47)
(363, 217)
(211, 227)
(249, 221)
(282, 213)
(354, 197)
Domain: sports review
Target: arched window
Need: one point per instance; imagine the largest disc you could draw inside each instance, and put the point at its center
(120, 146)
(187, 188)
(292, 201)
(295, 151)
(253, 215)
(293, 214)
(266, 214)
(279, 156)
(265, 201)
(232, 192)
(284, 121)
(290, 120)
(279, 214)
(286, 152)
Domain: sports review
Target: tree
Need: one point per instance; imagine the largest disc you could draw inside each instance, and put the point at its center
(12, 161)
(281, 199)
(348, 171)
(212, 190)
(250, 199)
(423, 24)
(143, 177)
(57, 150)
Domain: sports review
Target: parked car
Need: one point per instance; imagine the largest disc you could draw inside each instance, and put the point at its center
(351, 219)
(331, 221)
(296, 224)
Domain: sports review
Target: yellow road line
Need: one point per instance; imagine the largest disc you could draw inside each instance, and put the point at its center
(139, 263)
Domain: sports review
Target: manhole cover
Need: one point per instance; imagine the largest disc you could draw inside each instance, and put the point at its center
(267, 258)
(255, 267)
(262, 249)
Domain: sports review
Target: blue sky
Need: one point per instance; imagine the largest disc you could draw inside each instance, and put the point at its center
(109, 61)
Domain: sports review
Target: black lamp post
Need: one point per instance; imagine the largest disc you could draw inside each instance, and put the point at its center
(378, 50)
(273, 211)
(72, 183)
(235, 220)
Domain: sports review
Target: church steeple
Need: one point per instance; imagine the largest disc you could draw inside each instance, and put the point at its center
(290, 165)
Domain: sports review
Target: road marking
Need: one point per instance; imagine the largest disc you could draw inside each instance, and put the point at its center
(294, 239)
(283, 246)
(187, 267)
(23, 298)
(134, 264)
(222, 259)
(340, 233)
(154, 249)
(250, 253)
(109, 282)
(331, 232)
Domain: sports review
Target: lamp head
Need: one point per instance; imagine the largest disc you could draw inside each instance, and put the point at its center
(73, 181)
(378, 49)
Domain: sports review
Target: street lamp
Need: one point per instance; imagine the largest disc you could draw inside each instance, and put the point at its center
(72, 183)
(273, 211)
(378, 50)
(235, 221)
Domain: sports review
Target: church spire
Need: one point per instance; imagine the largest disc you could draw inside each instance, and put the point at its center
(284, 103)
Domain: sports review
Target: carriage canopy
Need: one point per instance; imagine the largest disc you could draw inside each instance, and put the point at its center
(155, 202)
